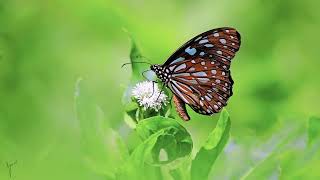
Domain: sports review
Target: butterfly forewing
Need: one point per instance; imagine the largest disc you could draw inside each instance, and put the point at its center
(199, 70)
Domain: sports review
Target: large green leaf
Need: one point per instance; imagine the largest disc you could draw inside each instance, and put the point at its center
(175, 142)
(209, 152)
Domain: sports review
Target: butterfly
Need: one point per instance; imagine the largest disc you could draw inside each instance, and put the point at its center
(198, 73)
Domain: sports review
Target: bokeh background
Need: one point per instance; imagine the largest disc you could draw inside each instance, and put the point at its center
(45, 46)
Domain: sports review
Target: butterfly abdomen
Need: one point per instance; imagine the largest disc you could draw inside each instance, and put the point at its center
(181, 108)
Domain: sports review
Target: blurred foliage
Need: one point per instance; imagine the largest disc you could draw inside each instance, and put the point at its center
(215, 143)
(46, 45)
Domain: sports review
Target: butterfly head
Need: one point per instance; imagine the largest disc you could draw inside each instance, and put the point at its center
(160, 72)
(156, 68)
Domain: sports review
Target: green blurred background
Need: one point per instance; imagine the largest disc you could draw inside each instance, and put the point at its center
(46, 45)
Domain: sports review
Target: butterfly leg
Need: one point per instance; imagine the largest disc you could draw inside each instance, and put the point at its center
(153, 88)
(160, 91)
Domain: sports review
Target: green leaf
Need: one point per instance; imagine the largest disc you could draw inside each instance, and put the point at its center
(313, 129)
(175, 142)
(268, 167)
(291, 162)
(283, 158)
(205, 158)
(182, 171)
(135, 167)
(136, 56)
(159, 134)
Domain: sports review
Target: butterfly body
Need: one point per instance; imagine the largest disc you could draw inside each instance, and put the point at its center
(162, 73)
(198, 72)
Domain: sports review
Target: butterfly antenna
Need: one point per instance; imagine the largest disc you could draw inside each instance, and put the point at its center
(135, 62)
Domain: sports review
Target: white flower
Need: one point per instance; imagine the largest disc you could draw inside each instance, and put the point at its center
(148, 95)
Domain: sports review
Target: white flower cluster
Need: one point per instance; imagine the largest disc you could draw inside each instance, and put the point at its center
(148, 95)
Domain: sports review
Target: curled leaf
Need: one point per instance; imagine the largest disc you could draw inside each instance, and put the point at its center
(175, 141)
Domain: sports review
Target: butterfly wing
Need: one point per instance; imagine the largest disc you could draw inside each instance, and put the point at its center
(199, 70)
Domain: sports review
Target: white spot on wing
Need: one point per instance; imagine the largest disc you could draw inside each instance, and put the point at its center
(181, 66)
(172, 67)
(199, 74)
(191, 69)
(204, 80)
(216, 34)
(202, 53)
(213, 71)
(219, 52)
(223, 41)
(181, 74)
(193, 61)
(208, 45)
(203, 41)
(178, 60)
